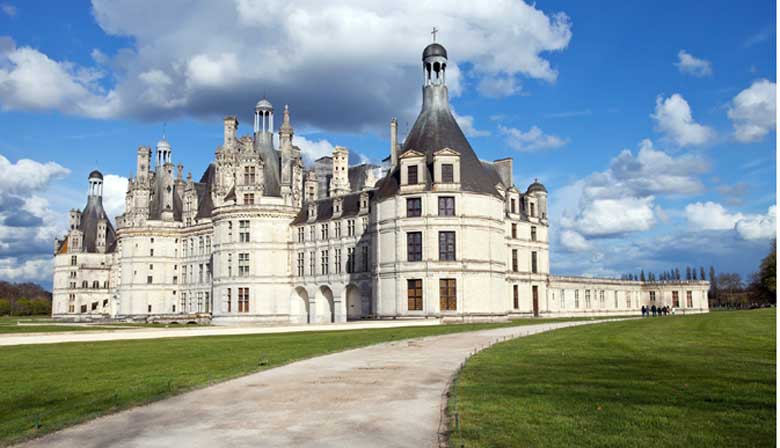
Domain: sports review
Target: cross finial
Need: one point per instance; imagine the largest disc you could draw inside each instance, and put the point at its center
(433, 32)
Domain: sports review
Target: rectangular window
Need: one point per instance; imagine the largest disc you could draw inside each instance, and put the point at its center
(652, 296)
(447, 246)
(350, 259)
(337, 229)
(364, 249)
(300, 234)
(602, 303)
(311, 233)
(448, 300)
(514, 260)
(514, 231)
(229, 301)
(151, 252)
(249, 198)
(413, 207)
(200, 273)
(249, 175)
(243, 231)
(411, 174)
(300, 264)
(675, 299)
(229, 264)
(183, 307)
(531, 206)
(414, 294)
(175, 279)
(324, 231)
(243, 300)
(312, 263)
(149, 279)
(616, 299)
(587, 298)
(563, 299)
(446, 206)
(350, 227)
(576, 298)
(689, 299)
(628, 299)
(414, 246)
(447, 173)
(515, 297)
(533, 233)
(337, 260)
(512, 205)
(324, 262)
(243, 265)
(533, 262)
(73, 260)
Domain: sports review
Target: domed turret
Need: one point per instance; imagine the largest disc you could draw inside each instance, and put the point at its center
(95, 174)
(264, 104)
(95, 180)
(264, 117)
(536, 186)
(163, 152)
(434, 49)
(435, 64)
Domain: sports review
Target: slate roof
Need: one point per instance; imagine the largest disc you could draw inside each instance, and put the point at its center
(89, 222)
(350, 206)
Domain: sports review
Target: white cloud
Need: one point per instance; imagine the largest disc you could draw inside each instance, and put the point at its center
(114, 190)
(757, 227)
(498, 86)
(710, 216)
(312, 150)
(466, 123)
(532, 140)
(691, 65)
(37, 269)
(8, 9)
(610, 217)
(359, 58)
(674, 119)
(573, 241)
(27, 175)
(753, 111)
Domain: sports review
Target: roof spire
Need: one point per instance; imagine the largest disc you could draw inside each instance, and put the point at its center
(433, 32)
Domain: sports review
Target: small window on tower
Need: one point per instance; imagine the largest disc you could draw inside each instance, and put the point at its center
(411, 174)
(447, 175)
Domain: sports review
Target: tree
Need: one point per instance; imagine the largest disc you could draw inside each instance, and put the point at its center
(688, 275)
(40, 307)
(701, 273)
(642, 275)
(5, 307)
(762, 286)
(676, 273)
(713, 284)
(694, 274)
(22, 307)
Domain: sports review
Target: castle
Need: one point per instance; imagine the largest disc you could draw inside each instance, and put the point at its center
(260, 237)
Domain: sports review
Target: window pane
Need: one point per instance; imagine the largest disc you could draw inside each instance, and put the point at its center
(446, 206)
(447, 294)
(447, 246)
(414, 294)
(414, 246)
(412, 174)
(413, 207)
(447, 176)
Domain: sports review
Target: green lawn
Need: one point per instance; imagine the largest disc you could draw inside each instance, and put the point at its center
(702, 381)
(8, 324)
(61, 384)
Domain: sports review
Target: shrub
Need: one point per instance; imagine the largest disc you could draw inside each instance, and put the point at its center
(5, 307)
(22, 307)
(40, 307)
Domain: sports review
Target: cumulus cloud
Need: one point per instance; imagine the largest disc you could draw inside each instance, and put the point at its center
(733, 194)
(614, 216)
(498, 86)
(758, 227)
(8, 9)
(710, 216)
(753, 111)
(466, 123)
(573, 241)
(674, 119)
(27, 175)
(346, 66)
(312, 150)
(38, 269)
(114, 190)
(691, 65)
(532, 140)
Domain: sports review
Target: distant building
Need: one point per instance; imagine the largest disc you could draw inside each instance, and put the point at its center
(434, 232)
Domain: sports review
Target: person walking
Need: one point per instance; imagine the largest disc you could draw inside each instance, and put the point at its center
(653, 309)
(644, 311)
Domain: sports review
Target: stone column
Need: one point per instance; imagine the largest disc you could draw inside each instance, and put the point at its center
(340, 307)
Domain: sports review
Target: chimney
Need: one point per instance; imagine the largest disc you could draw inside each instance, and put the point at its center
(504, 169)
(393, 143)
(231, 127)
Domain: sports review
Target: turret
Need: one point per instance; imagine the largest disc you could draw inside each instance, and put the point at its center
(310, 185)
(286, 153)
(142, 163)
(231, 128)
(100, 237)
(339, 182)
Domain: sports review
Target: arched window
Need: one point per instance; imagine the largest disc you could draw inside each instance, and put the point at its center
(85, 284)
(95, 284)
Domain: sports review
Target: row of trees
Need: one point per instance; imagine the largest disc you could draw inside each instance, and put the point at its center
(24, 299)
(672, 274)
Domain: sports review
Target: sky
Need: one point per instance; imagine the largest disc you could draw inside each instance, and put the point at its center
(652, 124)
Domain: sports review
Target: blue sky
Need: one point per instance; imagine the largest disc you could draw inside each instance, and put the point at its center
(562, 87)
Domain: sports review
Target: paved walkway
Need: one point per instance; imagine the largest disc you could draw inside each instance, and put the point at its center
(186, 332)
(387, 395)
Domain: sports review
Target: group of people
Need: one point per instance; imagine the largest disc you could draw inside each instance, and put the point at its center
(656, 311)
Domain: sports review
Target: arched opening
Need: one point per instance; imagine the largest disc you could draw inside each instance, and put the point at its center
(299, 306)
(324, 309)
(354, 303)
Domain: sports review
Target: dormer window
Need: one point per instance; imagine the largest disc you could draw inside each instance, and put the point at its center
(531, 212)
(447, 174)
(512, 205)
(446, 169)
(411, 174)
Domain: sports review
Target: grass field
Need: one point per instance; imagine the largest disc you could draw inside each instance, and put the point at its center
(52, 386)
(701, 381)
(41, 324)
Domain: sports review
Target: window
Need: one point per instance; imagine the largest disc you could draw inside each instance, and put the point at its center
(411, 174)
(601, 299)
(675, 299)
(337, 260)
(243, 231)
(243, 300)
(230, 231)
(229, 265)
(446, 206)
(563, 299)
(175, 280)
(587, 298)
(514, 260)
(148, 308)
(337, 229)
(616, 298)
(515, 297)
(324, 262)
(533, 233)
(249, 198)
(689, 299)
(324, 231)
(576, 298)
(173, 310)
(311, 233)
(151, 252)
(514, 231)
(149, 279)
(95, 284)
(300, 234)
(229, 301)
(200, 273)
(73, 260)
(628, 299)
(414, 294)
(249, 175)
(350, 227)
(183, 302)
(413, 207)
(652, 296)
(512, 206)
(533, 262)
(364, 249)
(531, 206)
(312, 263)
(72, 285)
(300, 264)
(243, 264)
(83, 308)
(447, 246)
(447, 173)
(448, 300)
(208, 245)
(201, 246)
(351, 259)
(414, 246)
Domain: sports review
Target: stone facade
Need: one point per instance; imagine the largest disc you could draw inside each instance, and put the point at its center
(436, 232)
